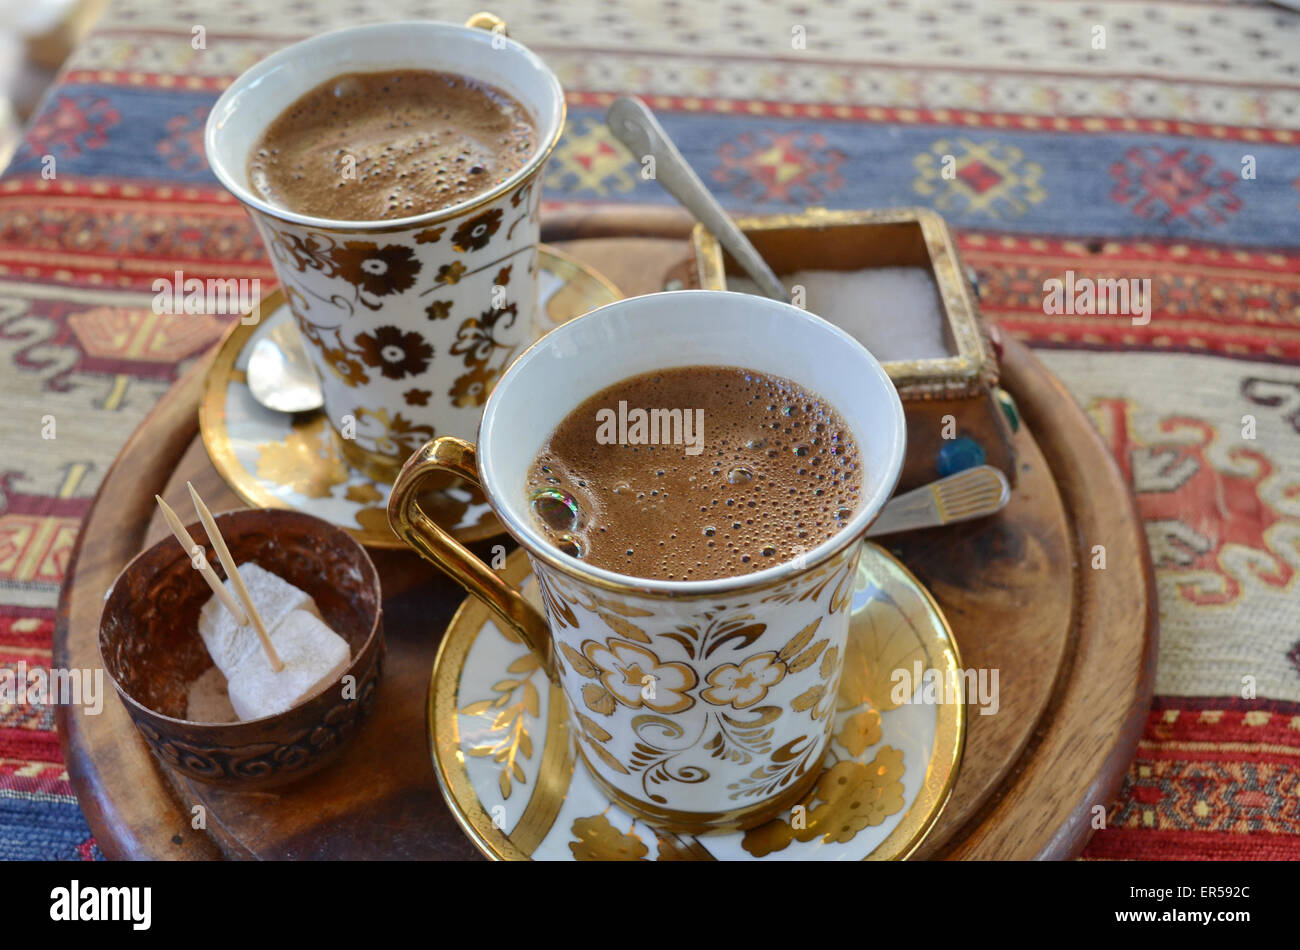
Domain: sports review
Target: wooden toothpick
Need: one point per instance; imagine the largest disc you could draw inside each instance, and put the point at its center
(204, 568)
(228, 562)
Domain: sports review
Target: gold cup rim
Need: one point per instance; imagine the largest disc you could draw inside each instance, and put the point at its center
(524, 176)
(532, 542)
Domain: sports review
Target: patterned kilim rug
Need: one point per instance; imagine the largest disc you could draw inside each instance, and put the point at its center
(1169, 154)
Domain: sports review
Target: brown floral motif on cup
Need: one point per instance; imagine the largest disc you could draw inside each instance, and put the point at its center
(784, 767)
(345, 366)
(837, 576)
(429, 235)
(417, 397)
(793, 759)
(394, 353)
(378, 271)
(811, 700)
(474, 234)
(309, 251)
(471, 388)
(438, 310)
(451, 273)
(476, 338)
(312, 333)
(296, 301)
(739, 739)
(637, 678)
(599, 699)
(397, 435)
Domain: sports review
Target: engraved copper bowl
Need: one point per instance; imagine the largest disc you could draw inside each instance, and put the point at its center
(152, 651)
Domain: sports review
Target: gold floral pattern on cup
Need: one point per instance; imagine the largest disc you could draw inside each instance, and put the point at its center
(755, 723)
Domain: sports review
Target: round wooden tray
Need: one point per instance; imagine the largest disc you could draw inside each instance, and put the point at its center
(1074, 647)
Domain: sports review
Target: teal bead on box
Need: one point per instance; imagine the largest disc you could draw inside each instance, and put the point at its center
(958, 455)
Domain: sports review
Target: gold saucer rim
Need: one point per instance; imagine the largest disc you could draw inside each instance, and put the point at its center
(937, 786)
(442, 704)
(221, 372)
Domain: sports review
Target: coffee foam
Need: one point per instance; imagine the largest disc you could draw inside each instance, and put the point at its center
(778, 474)
(372, 146)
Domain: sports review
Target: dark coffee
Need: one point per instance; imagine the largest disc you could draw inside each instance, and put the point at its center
(369, 146)
(696, 473)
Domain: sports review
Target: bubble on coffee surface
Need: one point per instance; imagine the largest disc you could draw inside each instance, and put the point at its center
(562, 506)
(556, 510)
(569, 545)
(777, 459)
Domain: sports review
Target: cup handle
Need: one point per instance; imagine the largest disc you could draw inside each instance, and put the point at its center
(448, 454)
(488, 21)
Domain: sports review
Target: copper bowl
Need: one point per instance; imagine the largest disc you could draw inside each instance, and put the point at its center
(151, 648)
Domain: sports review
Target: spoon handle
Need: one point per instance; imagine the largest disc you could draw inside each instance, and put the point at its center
(974, 493)
(635, 126)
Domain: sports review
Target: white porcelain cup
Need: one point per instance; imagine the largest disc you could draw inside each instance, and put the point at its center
(699, 705)
(408, 321)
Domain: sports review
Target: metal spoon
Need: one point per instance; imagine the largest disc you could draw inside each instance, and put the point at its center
(635, 126)
(280, 374)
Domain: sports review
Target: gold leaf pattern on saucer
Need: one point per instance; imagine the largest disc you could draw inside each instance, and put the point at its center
(884, 641)
(363, 494)
(856, 796)
(509, 736)
(896, 648)
(375, 521)
(852, 796)
(307, 460)
(598, 840)
(860, 732)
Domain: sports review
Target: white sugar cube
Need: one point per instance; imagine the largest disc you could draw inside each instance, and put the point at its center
(314, 657)
(895, 312)
(229, 643)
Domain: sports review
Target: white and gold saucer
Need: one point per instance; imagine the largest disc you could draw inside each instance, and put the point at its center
(503, 755)
(277, 460)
